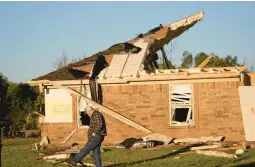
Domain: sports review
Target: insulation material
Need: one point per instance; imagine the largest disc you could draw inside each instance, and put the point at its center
(247, 96)
(116, 66)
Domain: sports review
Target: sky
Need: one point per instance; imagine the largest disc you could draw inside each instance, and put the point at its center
(34, 34)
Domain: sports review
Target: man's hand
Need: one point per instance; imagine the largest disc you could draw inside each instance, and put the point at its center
(93, 134)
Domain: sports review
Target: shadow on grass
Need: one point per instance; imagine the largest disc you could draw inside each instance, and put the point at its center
(185, 149)
(251, 164)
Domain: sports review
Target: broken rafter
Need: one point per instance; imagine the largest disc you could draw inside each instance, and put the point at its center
(165, 57)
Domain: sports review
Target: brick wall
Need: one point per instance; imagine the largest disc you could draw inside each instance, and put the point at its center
(216, 112)
(56, 132)
(216, 107)
(219, 110)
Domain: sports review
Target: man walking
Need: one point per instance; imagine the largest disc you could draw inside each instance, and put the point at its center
(96, 133)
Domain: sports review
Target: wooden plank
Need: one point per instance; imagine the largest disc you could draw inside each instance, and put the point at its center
(205, 147)
(202, 70)
(41, 88)
(169, 78)
(216, 154)
(174, 81)
(62, 82)
(115, 82)
(69, 136)
(130, 81)
(105, 110)
(201, 65)
(57, 156)
(165, 57)
(201, 139)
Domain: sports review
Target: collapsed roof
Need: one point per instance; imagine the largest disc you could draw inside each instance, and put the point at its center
(157, 37)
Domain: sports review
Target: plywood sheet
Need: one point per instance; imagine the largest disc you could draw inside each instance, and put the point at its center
(134, 61)
(116, 66)
(247, 96)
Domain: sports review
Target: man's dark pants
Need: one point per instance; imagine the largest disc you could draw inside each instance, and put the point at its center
(93, 145)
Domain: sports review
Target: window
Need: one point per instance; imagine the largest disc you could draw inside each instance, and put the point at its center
(83, 119)
(181, 105)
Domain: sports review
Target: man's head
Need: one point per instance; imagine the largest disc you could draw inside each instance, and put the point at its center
(89, 110)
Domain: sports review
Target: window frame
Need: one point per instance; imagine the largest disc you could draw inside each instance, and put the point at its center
(190, 106)
(87, 93)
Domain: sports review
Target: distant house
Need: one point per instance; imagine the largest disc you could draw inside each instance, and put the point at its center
(136, 98)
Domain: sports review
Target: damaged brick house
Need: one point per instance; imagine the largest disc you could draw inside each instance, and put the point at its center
(136, 98)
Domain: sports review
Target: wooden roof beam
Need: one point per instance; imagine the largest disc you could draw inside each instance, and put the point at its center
(104, 109)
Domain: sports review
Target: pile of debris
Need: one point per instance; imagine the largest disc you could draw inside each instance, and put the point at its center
(210, 146)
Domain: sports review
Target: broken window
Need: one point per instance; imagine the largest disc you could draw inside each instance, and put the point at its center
(83, 119)
(181, 104)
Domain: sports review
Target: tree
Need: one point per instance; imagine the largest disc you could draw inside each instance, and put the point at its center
(252, 66)
(64, 60)
(162, 64)
(199, 58)
(61, 62)
(3, 95)
(21, 98)
(228, 61)
(187, 60)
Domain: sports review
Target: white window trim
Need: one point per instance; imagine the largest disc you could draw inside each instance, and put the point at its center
(191, 106)
(78, 108)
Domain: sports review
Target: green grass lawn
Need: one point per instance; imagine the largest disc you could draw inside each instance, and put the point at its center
(19, 153)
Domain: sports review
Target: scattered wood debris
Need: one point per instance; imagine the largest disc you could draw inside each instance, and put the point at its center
(57, 156)
(216, 154)
(205, 147)
(158, 137)
(176, 158)
(200, 140)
